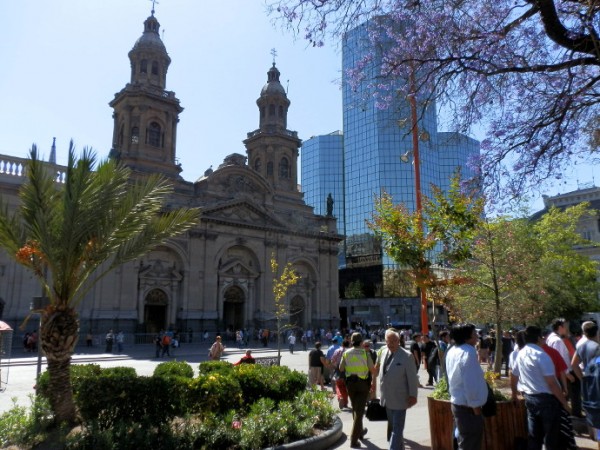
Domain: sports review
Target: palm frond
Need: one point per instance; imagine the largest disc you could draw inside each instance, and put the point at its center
(95, 221)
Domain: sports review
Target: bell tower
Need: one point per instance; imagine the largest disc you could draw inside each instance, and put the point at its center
(273, 149)
(146, 114)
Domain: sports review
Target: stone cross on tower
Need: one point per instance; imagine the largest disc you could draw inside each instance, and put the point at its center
(153, 3)
(273, 54)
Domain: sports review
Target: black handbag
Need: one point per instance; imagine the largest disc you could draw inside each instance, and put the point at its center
(489, 409)
(375, 412)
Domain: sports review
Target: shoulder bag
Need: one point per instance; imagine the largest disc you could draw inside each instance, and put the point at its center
(489, 408)
(375, 412)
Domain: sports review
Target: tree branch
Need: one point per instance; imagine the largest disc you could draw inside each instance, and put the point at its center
(556, 31)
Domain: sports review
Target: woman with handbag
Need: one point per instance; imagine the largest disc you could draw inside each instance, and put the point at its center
(398, 384)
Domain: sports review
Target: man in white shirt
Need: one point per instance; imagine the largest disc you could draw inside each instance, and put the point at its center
(292, 341)
(533, 374)
(468, 390)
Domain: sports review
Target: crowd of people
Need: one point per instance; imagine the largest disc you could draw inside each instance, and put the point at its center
(359, 373)
(547, 369)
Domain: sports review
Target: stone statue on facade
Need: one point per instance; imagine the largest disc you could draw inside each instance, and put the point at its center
(329, 205)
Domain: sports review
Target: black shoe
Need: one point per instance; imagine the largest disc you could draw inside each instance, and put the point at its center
(355, 445)
(364, 433)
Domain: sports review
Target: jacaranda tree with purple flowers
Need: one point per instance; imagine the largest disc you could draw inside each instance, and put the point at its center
(526, 71)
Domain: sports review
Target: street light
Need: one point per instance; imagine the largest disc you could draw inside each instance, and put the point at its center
(417, 168)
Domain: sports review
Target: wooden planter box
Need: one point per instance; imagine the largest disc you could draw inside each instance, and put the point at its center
(501, 432)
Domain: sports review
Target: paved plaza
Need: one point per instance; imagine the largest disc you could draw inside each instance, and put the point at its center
(21, 374)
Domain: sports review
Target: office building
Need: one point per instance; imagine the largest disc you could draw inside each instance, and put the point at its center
(377, 158)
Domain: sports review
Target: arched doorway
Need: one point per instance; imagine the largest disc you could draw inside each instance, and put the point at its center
(297, 312)
(233, 308)
(155, 310)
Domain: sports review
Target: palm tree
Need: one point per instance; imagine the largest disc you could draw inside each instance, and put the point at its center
(71, 235)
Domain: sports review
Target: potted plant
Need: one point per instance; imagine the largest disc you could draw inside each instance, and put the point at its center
(507, 429)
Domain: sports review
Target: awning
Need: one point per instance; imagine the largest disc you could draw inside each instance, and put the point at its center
(4, 326)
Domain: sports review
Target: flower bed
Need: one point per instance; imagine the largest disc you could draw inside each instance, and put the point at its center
(224, 407)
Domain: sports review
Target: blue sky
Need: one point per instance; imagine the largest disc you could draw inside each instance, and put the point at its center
(63, 61)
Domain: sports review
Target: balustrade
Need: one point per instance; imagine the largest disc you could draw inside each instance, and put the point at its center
(16, 167)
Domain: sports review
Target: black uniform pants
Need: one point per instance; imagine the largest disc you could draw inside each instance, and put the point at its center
(358, 391)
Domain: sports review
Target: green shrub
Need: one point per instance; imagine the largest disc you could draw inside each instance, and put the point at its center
(276, 382)
(244, 407)
(113, 398)
(289, 382)
(22, 426)
(119, 372)
(315, 407)
(216, 432)
(216, 392)
(126, 436)
(215, 366)
(265, 427)
(80, 373)
(174, 368)
(270, 424)
(441, 390)
(123, 411)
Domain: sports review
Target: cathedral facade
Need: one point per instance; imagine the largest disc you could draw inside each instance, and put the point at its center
(217, 275)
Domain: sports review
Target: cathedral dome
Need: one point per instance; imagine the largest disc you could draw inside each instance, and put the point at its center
(273, 86)
(150, 40)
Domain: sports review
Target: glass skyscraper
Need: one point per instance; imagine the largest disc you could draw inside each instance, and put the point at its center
(322, 167)
(374, 139)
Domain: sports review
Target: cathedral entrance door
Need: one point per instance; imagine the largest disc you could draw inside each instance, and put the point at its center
(297, 315)
(233, 308)
(155, 311)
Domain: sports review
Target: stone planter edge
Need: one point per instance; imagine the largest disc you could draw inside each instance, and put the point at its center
(321, 442)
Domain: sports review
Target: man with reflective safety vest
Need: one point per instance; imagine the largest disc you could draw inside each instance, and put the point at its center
(358, 366)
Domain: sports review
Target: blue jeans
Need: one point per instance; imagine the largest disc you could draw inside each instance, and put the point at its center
(543, 421)
(396, 419)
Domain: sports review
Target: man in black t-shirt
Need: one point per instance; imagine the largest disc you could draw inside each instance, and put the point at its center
(316, 363)
(415, 350)
(430, 358)
(507, 348)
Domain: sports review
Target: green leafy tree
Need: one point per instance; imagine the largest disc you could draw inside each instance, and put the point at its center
(570, 277)
(355, 289)
(502, 286)
(281, 285)
(441, 234)
(524, 272)
(71, 235)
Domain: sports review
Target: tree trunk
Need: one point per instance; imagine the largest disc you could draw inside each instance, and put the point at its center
(498, 357)
(58, 336)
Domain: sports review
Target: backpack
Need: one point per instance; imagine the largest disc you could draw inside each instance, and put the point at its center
(590, 390)
(166, 340)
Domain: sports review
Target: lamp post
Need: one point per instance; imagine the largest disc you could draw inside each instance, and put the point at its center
(419, 205)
